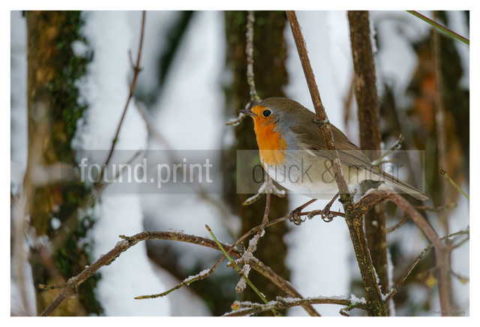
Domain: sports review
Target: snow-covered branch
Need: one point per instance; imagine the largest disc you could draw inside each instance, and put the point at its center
(281, 303)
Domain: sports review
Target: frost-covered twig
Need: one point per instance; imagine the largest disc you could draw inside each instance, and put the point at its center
(238, 269)
(281, 303)
(249, 47)
(281, 283)
(250, 58)
(74, 282)
(187, 281)
(133, 85)
(252, 244)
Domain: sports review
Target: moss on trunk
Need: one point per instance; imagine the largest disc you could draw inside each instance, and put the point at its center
(53, 113)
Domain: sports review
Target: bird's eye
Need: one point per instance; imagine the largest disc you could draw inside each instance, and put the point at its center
(266, 113)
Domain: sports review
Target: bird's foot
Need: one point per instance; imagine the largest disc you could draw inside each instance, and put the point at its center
(326, 214)
(295, 216)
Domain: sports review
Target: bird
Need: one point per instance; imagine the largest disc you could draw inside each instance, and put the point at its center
(293, 152)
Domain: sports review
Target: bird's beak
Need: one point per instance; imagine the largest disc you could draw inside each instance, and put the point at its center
(248, 109)
(248, 112)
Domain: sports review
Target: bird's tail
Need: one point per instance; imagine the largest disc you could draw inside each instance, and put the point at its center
(404, 187)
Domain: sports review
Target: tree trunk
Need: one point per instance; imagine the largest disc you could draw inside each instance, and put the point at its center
(270, 78)
(369, 126)
(53, 111)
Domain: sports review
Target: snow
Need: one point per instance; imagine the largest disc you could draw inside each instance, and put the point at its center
(156, 29)
(396, 59)
(391, 283)
(355, 299)
(458, 23)
(319, 252)
(190, 116)
(105, 89)
(20, 267)
(19, 146)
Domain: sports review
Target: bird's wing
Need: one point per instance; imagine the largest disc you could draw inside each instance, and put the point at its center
(310, 138)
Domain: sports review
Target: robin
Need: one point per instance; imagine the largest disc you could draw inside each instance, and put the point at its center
(294, 154)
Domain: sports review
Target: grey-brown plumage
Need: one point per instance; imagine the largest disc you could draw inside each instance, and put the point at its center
(296, 124)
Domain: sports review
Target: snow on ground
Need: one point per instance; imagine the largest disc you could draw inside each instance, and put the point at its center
(189, 115)
(319, 253)
(105, 89)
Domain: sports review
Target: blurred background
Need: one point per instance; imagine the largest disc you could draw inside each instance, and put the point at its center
(70, 76)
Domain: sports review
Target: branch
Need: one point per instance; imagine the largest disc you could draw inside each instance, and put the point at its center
(442, 29)
(369, 127)
(249, 308)
(322, 118)
(354, 222)
(249, 35)
(266, 271)
(250, 57)
(133, 85)
(441, 250)
(401, 281)
(73, 283)
(240, 271)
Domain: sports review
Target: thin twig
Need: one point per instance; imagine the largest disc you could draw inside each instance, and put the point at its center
(252, 245)
(441, 142)
(186, 282)
(250, 56)
(133, 85)
(239, 270)
(398, 225)
(401, 281)
(454, 184)
(461, 278)
(441, 250)
(249, 51)
(442, 29)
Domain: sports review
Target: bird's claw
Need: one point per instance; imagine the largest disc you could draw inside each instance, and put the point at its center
(295, 216)
(327, 216)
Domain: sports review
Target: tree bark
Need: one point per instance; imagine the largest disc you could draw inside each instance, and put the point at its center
(369, 127)
(53, 111)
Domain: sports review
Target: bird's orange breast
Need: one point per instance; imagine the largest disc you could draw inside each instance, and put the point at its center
(271, 143)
